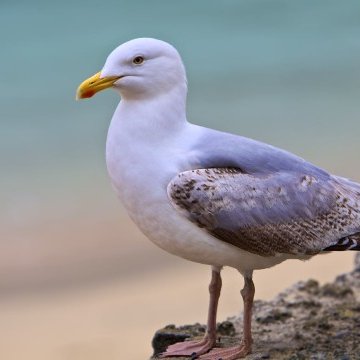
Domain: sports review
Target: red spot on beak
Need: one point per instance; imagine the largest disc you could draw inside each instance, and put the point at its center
(88, 94)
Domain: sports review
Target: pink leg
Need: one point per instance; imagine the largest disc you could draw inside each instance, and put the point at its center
(244, 348)
(196, 348)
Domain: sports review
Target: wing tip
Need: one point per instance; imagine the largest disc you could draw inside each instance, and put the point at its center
(351, 242)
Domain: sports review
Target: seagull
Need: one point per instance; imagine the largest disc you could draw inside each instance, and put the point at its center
(211, 197)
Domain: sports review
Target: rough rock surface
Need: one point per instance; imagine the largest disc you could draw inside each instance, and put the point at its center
(306, 321)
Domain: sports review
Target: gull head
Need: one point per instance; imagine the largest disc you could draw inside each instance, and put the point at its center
(140, 68)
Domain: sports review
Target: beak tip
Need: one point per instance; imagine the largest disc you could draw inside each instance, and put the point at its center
(84, 95)
(94, 84)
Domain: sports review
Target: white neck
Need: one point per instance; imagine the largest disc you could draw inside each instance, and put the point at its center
(146, 135)
(152, 118)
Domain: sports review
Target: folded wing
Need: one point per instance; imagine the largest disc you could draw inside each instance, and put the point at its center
(277, 213)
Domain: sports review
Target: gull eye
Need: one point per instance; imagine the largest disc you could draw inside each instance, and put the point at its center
(138, 60)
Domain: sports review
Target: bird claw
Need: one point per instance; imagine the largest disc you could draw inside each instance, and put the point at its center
(189, 348)
(232, 353)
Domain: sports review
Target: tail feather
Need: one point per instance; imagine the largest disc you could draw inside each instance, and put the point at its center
(351, 242)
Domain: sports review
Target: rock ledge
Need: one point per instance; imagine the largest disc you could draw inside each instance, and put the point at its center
(306, 321)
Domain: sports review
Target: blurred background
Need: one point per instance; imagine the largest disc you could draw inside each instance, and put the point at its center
(77, 279)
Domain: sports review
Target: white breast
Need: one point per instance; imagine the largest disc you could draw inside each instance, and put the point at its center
(140, 168)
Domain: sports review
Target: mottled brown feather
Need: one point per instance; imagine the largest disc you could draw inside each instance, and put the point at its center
(281, 213)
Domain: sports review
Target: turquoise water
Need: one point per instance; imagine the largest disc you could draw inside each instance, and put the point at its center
(284, 72)
(268, 69)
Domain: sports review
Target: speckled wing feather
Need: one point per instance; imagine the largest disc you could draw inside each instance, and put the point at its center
(277, 213)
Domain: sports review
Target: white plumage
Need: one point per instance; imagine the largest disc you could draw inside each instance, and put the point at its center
(212, 197)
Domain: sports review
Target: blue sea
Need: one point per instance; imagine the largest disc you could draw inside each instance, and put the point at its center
(284, 72)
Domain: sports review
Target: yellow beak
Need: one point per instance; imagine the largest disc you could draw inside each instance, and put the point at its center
(94, 84)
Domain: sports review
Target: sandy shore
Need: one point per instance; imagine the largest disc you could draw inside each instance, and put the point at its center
(117, 320)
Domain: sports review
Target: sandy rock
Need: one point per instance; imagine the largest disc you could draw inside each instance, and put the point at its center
(306, 321)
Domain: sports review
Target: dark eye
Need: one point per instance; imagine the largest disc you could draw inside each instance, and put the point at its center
(138, 60)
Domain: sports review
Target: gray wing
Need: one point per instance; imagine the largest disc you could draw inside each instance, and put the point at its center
(215, 149)
(285, 212)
